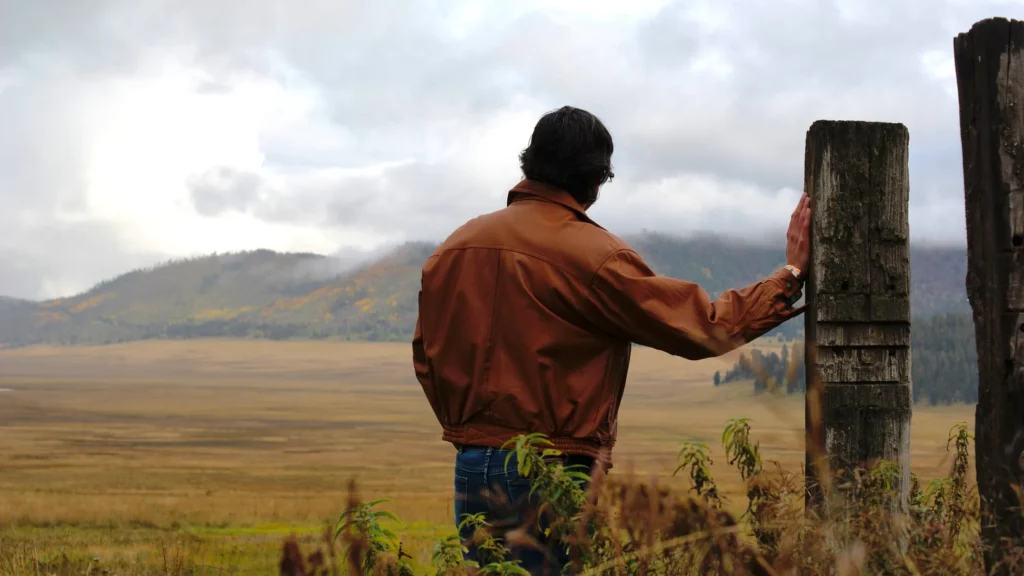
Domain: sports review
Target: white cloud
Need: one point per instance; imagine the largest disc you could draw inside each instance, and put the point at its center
(149, 135)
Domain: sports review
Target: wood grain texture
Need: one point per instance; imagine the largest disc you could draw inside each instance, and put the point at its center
(990, 81)
(858, 322)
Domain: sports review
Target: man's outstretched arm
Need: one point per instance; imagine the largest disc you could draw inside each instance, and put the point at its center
(679, 317)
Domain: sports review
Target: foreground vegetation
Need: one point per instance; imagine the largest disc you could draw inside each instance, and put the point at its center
(635, 527)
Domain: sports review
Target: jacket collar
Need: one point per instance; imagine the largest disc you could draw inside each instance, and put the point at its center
(532, 189)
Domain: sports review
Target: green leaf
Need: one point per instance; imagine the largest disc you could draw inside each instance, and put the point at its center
(386, 514)
(582, 476)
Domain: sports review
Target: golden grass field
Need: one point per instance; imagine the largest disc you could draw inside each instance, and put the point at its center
(211, 452)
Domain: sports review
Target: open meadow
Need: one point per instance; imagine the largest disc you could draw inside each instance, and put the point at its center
(145, 456)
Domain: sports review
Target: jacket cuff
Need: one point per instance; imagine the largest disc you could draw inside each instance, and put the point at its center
(790, 286)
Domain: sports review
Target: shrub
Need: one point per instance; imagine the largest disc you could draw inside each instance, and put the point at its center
(625, 526)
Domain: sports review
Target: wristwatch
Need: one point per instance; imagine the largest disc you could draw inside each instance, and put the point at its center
(798, 275)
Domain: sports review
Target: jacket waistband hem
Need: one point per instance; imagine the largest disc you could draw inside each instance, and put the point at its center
(495, 437)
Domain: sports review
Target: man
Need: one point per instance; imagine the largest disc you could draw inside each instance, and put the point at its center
(527, 315)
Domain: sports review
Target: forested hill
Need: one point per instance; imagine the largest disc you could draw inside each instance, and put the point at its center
(263, 294)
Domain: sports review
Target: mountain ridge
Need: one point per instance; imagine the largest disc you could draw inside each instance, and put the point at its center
(266, 294)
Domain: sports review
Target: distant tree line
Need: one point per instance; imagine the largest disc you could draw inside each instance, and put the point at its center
(944, 363)
(786, 373)
(363, 329)
(944, 359)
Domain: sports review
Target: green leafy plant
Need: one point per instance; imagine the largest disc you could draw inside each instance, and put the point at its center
(489, 549)
(741, 452)
(562, 498)
(696, 458)
(761, 498)
(371, 545)
(961, 438)
(448, 555)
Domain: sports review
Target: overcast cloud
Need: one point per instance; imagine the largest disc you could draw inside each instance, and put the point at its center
(137, 130)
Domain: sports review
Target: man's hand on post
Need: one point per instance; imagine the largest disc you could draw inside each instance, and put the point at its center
(798, 237)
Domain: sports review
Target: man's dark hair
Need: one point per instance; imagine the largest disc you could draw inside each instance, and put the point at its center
(572, 150)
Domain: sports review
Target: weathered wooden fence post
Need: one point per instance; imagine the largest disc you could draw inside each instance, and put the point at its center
(858, 292)
(990, 77)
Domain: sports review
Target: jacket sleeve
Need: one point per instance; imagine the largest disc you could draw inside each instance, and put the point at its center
(678, 317)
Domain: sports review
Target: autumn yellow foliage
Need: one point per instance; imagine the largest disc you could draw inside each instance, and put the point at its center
(90, 302)
(44, 318)
(219, 313)
(299, 302)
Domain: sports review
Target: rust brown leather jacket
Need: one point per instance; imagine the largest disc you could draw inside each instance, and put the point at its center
(527, 315)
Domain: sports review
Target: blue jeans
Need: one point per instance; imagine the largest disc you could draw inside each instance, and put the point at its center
(508, 505)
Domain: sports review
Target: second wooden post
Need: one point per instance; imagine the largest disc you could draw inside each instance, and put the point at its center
(990, 77)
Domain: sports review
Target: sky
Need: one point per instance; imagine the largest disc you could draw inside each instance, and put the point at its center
(136, 131)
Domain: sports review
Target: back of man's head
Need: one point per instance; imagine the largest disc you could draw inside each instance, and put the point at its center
(572, 150)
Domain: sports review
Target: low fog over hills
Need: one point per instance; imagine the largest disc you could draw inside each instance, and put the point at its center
(367, 296)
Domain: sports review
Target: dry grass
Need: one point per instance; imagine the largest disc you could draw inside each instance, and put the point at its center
(115, 452)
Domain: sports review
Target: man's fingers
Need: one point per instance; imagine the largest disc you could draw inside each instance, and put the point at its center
(801, 207)
(801, 215)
